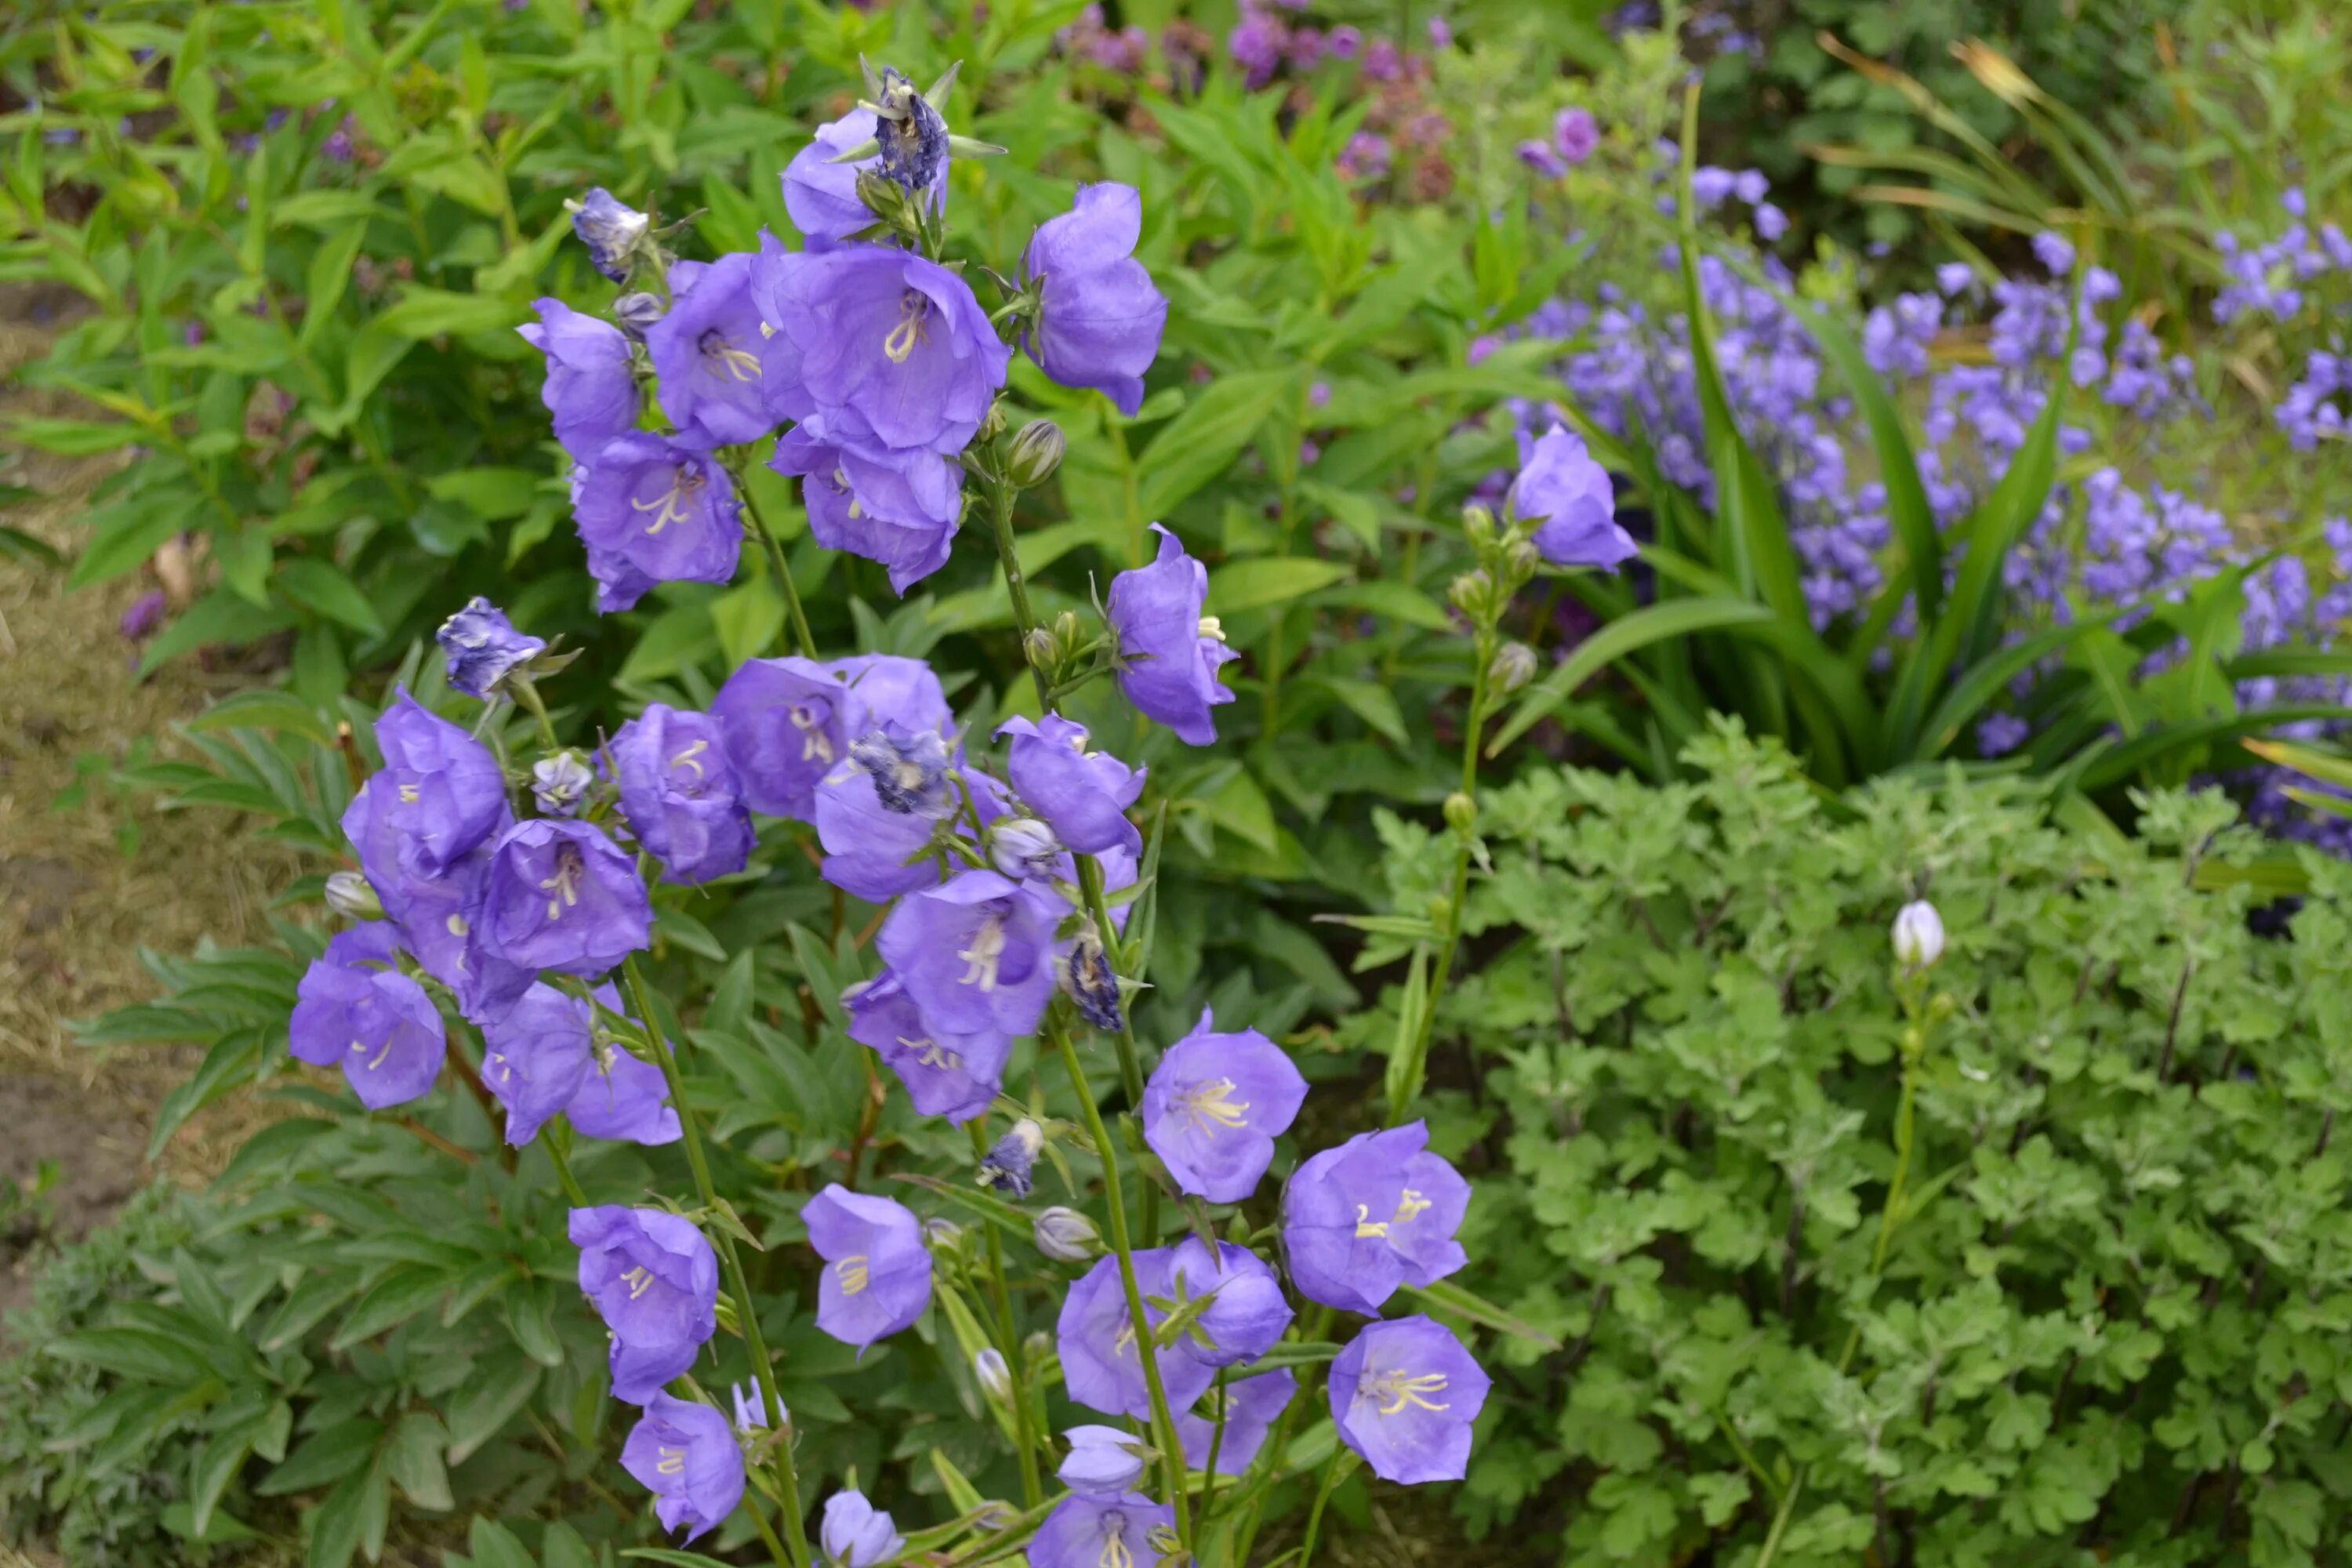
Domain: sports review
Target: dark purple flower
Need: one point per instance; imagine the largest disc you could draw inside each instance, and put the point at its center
(856, 1534)
(901, 513)
(1082, 795)
(444, 792)
(145, 615)
(1101, 1365)
(1124, 1532)
(721, 375)
(1246, 1313)
(1099, 316)
(1251, 1405)
(679, 794)
(650, 511)
(821, 195)
(356, 1010)
(1103, 1461)
(1345, 43)
(655, 1281)
(954, 1076)
(535, 1058)
(976, 955)
(1404, 1394)
(1575, 134)
(1008, 1164)
(1215, 1106)
(877, 1276)
(611, 231)
(686, 1456)
(1169, 652)
(1377, 1211)
(589, 387)
(561, 896)
(483, 648)
(1560, 485)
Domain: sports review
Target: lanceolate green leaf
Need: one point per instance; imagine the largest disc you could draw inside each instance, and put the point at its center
(2123, 761)
(1674, 618)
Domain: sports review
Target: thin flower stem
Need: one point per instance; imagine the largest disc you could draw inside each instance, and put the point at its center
(777, 564)
(1780, 1522)
(1339, 1456)
(1016, 587)
(557, 1137)
(1009, 1335)
(1277, 1444)
(527, 695)
(1216, 1447)
(1464, 837)
(787, 1481)
(1163, 1424)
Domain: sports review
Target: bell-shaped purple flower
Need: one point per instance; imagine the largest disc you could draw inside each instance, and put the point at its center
(856, 1534)
(1103, 1461)
(1377, 1211)
(871, 852)
(976, 955)
(655, 1281)
(436, 914)
(1215, 1106)
(535, 1057)
(821, 195)
(650, 511)
(901, 510)
(1251, 1405)
(686, 1456)
(354, 1009)
(1169, 653)
(954, 1076)
(483, 648)
(1404, 1394)
(721, 375)
(787, 721)
(1124, 1532)
(445, 792)
(561, 896)
(622, 1098)
(611, 230)
(1082, 795)
(1246, 1311)
(680, 796)
(1099, 316)
(590, 389)
(1562, 489)
(1102, 1364)
(888, 342)
(877, 1274)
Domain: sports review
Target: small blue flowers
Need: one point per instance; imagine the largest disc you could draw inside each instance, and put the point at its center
(1100, 316)
(1169, 652)
(1215, 1105)
(562, 896)
(1568, 497)
(679, 793)
(357, 1011)
(484, 648)
(1377, 1211)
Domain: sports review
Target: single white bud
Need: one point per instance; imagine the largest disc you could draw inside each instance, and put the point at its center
(1513, 666)
(349, 894)
(1022, 847)
(1919, 935)
(995, 1377)
(1066, 1236)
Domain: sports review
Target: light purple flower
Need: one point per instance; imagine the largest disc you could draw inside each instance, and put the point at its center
(785, 722)
(443, 791)
(976, 955)
(623, 1099)
(821, 195)
(650, 511)
(1169, 653)
(1559, 483)
(1103, 1461)
(902, 513)
(679, 794)
(1575, 133)
(954, 1076)
(1377, 1211)
(1246, 1313)
(874, 837)
(1952, 277)
(535, 1057)
(686, 1455)
(723, 377)
(1215, 1106)
(654, 1280)
(611, 230)
(561, 896)
(1105, 1533)
(1404, 1394)
(1345, 43)
(436, 914)
(146, 616)
(1082, 795)
(483, 648)
(354, 1009)
(1251, 1405)
(856, 1534)
(1771, 222)
(877, 1275)
(1543, 158)
(1099, 317)
(2054, 251)
(1101, 1365)
(589, 388)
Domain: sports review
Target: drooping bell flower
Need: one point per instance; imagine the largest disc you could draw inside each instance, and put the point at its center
(721, 375)
(1128, 1531)
(1560, 485)
(1404, 1394)
(1103, 1461)
(437, 915)
(1102, 1364)
(611, 230)
(354, 1009)
(975, 954)
(561, 896)
(1082, 795)
(654, 1280)
(1099, 318)
(821, 195)
(1377, 1211)
(535, 1058)
(954, 1076)
(870, 852)
(877, 1275)
(1169, 652)
(484, 648)
(444, 792)
(1246, 1311)
(1251, 1405)
(686, 1456)
(787, 721)
(623, 1099)
(902, 513)
(1215, 1106)
(650, 511)
(856, 1534)
(590, 389)
(680, 796)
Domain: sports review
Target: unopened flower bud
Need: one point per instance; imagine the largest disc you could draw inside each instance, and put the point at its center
(1470, 592)
(350, 895)
(991, 424)
(1919, 935)
(1477, 525)
(1021, 846)
(942, 1234)
(1103, 1462)
(1037, 1347)
(559, 784)
(1066, 1236)
(637, 311)
(1037, 453)
(1008, 1165)
(612, 232)
(1088, 976)
(1513, 666)
(995, 1377)
(1524, 558)
(1043, 650)
(1460, 812)
(889, 201)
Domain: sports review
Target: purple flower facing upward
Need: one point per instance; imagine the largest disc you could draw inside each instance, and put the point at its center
(1403, 1395)
(877, 1274)
(1251, 1405)
(611, 230)
(1215, 1106)
(1575, 134)
(1246, 1311)
(1170, 652)
(1099, 317)
(1102, 1364)
(483, 648)
(686, 1455)
(655, 1281)
(561, 896)
(820, 196)
(902, 513)
(1569, 496)
(954, 1076)
(1082, 795)
(444, 792)
(679, 794)
(1377, 1211)
(535, 1058)
(589, 389)
(650, 511)
(355, 1010)
(719, 372)
(856, 1534)
(976, 955)
(1124, 1532)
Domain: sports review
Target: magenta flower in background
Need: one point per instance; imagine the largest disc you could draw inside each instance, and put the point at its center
(561, 896)
(1251, 1405)
(608, 227)
(444, 792)
(1403, 1395)
(483, 648)
(1247, 1312)
(1543, 158)
(535, 1058)
(654, 1280)
(954, 1076)
(1215, 1106)
(679, 794)
(589, 388)
(902, 513)
(356, 1010)
(821, 195)
(1169, 652)
(686, 1455)
(1099, 317)
(1082, 795)
(1101, 1362)
(1559, 484)
(1090, 1532)
(975, 955)
(723, 378)
(1377, 1211)
(856, 1534)
(650, 511)
(1441, 34)
(1575, 134)
(1382, 61)
(877, 1276)
(145, 615)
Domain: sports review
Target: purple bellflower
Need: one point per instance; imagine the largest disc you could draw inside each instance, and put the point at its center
(484, 648)
(719, 373)
(1404, 1394)
(1008, 1164)
(1560, 485)
(679, 794)
(1215, 1106)
(623, 1099)
(1124, 1531)
(1251, 1405)
(954, 1076)
(1377, 1211)
(902, 513)
(1099, 316)
(787, 721)
(1103, 1461)
(444, 792)
(1574, 134)
(561, 896)
(354, 1009)
(650, 511)
(821, 195)
(976, 955)
(1246, 1313)
(655, 1281)
(1101, 1363)
(1169, 652)
(856, 1534)
(686, 1455)
(611, 230)
(535, 1058)
(589, 389)
(870, 851)
(877, 1275)
(1082, 795)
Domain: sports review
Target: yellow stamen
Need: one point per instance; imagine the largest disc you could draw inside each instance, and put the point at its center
(813, 744)
(671, 505)
(1213, 1106)
(565, 883)
(1211, 626)
(1398, 1389)
(639, 1281)
(930, 1054)
(685, 759)
(1410, 1204)
(853, 1273)
(409, 794)
(672, 1461)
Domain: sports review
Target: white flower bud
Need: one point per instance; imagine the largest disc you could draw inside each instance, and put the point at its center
(995, 1377)
(349, 894)
(1513, 666)
(1022, 847)
(1919, 935)
(1066, 1236)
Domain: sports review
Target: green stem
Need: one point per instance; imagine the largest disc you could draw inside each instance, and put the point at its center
(1464, 837)
(1339, 1456)
(1216, 1447)
(557, 1138)
(527, 695)
(776, 564)
(788, 1486)
(1780, 1522)
(1130, 1066)
(1009, 1341)
(1277, 1444)
(1001, 494)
